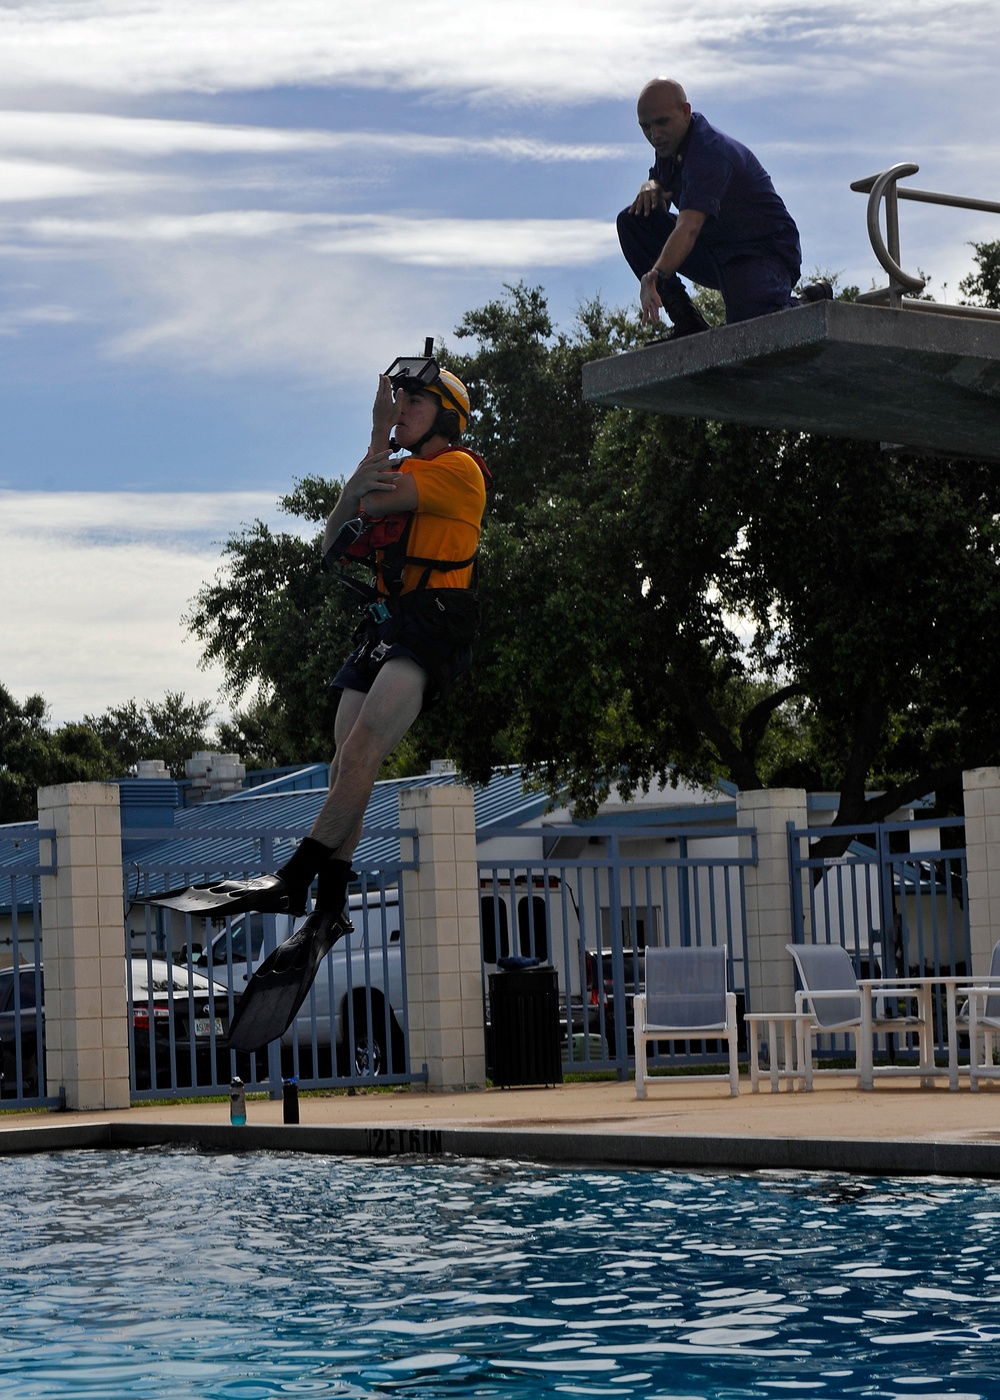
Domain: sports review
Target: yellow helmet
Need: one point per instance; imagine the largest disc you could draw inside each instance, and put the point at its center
(452, 393)
(423, 374)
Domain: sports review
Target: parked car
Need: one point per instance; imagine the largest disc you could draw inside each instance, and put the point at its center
(172, 1011)
(335, 1016)
(31, 1021)
(634, 973)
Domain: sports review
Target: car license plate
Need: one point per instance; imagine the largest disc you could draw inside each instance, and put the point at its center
(203, 1024)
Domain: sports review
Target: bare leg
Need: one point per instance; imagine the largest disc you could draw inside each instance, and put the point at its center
(368, 729)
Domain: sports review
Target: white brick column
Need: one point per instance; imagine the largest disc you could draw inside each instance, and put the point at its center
(981, 787)
(769, 893)
(83, 940)
(444, 972)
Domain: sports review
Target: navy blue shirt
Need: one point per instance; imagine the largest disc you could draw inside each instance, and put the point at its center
(721, 179)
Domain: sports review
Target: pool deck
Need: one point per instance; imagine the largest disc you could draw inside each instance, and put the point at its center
(898, 1127)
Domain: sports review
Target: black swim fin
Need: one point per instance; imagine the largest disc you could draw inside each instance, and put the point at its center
(281, 984)
(266, 894)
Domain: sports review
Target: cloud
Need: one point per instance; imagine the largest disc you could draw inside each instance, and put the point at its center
(317, 316)
(513, 48)
(25, 180)
(100, 134)
(428, 242)
(250, 243)
(126, 47)
(264, 289)
(12, 322)
(95, 585)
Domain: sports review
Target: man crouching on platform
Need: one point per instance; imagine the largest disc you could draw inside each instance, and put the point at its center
(732, 231)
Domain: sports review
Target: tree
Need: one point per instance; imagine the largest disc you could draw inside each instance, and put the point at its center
(280, 628)
(710, 600)
(97, 749)
(667, 598)
(171, 730)
(32, 757)
(982, 287)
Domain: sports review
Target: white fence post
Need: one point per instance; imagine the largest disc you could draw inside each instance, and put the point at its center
(83, 941)
(443, 956)
(769, 892)
(981, 787)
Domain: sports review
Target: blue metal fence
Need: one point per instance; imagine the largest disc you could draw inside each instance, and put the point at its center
(897, 912)
(354, 1026)
(22, 1019)
(585, 902)
(592, 916)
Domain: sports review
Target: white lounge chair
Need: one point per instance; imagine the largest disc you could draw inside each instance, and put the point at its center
(685, 998)
(983, 1018)
(833, 1000)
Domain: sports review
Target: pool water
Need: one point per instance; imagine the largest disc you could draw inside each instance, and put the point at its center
(176, 1273)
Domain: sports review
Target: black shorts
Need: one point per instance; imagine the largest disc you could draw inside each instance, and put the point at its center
(442, 648)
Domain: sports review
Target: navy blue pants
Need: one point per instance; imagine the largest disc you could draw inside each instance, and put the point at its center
(753, 283)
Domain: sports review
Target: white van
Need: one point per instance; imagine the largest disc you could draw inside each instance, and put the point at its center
(336, 1012)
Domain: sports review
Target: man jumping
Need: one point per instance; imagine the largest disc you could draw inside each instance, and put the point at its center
(417, 522)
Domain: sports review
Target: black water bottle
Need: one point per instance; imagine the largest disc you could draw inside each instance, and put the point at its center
(290, 1100)
(237, 1103)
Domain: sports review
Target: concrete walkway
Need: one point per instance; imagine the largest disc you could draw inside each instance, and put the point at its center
(898, 1127)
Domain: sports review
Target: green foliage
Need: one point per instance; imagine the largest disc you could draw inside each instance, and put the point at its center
(529, 420)
(99, 748)
(692, 599)
(32, 757)
(982, 287)
(280, 628)
(662, 598)
(172, 731)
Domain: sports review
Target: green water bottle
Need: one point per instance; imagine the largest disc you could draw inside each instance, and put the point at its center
(237, 1103)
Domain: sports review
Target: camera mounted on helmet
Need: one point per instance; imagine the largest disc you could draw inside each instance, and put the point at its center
(417, 374)
(412, 372)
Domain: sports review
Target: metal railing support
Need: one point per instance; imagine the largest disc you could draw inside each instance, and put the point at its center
(883, 187)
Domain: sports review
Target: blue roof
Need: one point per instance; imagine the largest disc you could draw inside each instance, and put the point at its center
(257, 828)
(278, 813)
(231, 831)
(689, 814)
(18, 853)
(313, 775)
(286, 779)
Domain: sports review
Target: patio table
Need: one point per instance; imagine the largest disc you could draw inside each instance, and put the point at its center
(921, 988)
(787, 1063)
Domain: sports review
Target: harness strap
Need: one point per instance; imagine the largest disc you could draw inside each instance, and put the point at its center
(435, 566)
(394, 556)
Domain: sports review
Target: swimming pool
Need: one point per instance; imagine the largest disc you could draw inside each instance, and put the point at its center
(243, 1277)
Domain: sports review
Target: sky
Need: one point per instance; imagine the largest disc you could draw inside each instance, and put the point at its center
(219, 221)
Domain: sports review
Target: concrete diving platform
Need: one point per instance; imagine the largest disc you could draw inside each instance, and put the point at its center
(926, 380)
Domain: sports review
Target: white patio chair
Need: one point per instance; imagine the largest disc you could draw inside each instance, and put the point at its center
(982, 1016)
(685, 998)
(831, 997)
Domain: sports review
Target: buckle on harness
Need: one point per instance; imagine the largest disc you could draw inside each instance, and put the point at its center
(379, 612)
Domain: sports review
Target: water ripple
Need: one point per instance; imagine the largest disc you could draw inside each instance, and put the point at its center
(225, 1277)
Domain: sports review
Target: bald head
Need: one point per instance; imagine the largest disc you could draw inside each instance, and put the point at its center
(664, 87)
(664, 115)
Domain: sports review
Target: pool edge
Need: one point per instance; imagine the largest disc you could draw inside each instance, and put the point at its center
(604, 1149)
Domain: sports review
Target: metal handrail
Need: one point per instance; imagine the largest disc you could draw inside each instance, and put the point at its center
(884, 186)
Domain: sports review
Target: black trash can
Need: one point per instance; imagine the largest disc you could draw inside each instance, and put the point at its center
(524, 1013)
